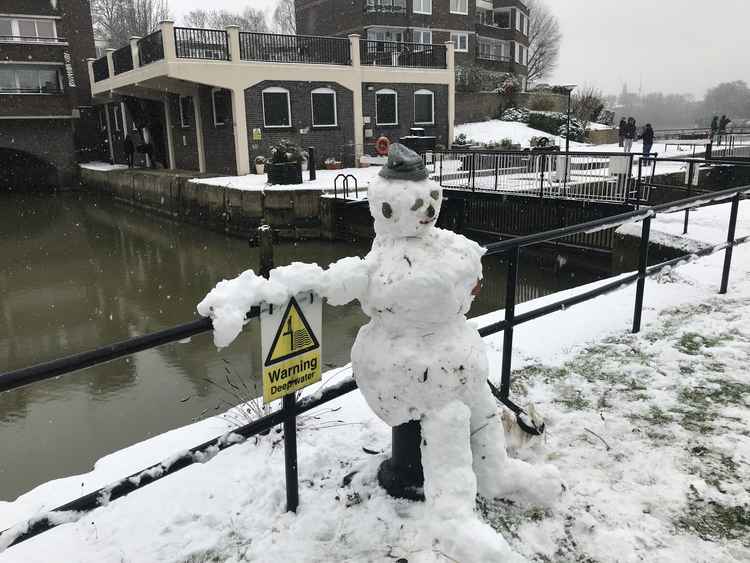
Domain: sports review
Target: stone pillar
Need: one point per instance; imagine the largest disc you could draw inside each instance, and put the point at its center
(450, 59)
(233, 35)
(170, 132)
(199, 130)
(110, 64)
(359, 122)
(239, 120)
(90, 65)
(134, 51)
(167, 38)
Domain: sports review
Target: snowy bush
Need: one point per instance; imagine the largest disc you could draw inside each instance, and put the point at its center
(515, 114)
(555, 123)
(577, 132)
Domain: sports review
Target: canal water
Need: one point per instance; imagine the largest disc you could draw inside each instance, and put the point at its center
(79, 271)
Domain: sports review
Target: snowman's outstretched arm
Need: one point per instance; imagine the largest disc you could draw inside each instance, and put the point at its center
(228, 302)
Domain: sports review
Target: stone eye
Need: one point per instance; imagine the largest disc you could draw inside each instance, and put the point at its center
(430, 211)
(387, 210)
(434, 194)
(417, 204)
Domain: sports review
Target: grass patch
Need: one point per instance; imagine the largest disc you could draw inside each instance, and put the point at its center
(712, 521)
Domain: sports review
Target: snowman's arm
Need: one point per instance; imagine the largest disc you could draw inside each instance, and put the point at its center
(228, 302)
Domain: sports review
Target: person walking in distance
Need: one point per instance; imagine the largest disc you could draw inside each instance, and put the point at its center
(621, 130)
(129, 150)
(723, 122)
(648, 140)
(630, 131)
(714, 128)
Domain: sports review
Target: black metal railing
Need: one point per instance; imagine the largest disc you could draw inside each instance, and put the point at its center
(122, 59)
(300, 49)
(101, 69)
(395, 54)
(510, 249)
(205, 44)
(150, 48)
(386, 7)
(31, 39)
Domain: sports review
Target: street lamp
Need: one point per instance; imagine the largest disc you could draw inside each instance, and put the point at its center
(568, 90)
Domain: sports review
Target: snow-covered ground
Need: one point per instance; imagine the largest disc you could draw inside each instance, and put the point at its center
(102, 166)
(649, 432)
(324, 180)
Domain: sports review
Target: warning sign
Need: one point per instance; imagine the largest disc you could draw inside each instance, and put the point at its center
(290, 337)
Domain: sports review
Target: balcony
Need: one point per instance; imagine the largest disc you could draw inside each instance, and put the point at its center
(397, 7)
(33, 40)
(410, 55)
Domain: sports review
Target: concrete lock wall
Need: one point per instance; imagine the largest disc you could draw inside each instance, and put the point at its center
(293, 214)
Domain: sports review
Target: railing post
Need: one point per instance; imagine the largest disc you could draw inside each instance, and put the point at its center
(401, 476)
(642, 264)
(510, 316)
(357, 102)
(689, 189)
(110, 62)
(730, 244)
(441, 168)
(311, 162)
(497, 169)
(450, 64)
(134, 52)
(168, 40)
(542, 164)
(233, 34)
(709, 150)
(90, 66)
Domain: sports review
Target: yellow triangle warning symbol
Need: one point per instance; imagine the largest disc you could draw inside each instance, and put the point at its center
(293, 336)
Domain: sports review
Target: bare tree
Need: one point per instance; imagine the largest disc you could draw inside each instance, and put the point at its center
(284, 18)
(586, 104)
(249, 20)
(118, 20)
(544, 40)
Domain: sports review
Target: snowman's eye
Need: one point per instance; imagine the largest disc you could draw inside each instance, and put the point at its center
(417, 204)
(434, 194)
(387, 210)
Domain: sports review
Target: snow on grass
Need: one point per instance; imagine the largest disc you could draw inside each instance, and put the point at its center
(649, 432)
(102, 166)
(324, 180)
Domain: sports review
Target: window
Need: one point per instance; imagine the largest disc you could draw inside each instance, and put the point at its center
(423, 6)
(27, 29)
(118, 117)
(36, 79)
(460, 7)
(221, 101)
(102, 118)
(424, 107)
(461, 41)
(324, 108)
(502, 19)
(521, 53)
(521, 21)
(277, 111)
(422, 36)
(186, 110)
(490, 50)
(526, 29)
(395, 35)
(386, 107)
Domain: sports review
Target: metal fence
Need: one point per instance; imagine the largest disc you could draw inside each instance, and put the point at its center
(101, 69)
(395, 54)
(509, 249)
(300, 49)
(204, 44)
(386, 7)
(122, 59)
(731, 146)
(150, 48)
(593, 176)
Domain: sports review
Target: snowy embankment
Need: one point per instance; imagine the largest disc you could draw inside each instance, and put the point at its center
(649, 432)
(324, 180)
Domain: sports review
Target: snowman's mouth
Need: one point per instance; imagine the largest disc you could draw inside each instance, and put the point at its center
(426, 221)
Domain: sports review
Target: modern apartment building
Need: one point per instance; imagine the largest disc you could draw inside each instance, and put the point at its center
(491, 33)
(45, 95)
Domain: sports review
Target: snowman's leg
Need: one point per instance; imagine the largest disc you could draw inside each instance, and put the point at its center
(499, 475)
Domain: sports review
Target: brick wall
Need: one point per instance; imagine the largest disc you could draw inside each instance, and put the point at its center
(337, 142)
(184, 138)
(329, 17)
(218, 140)
(406, 112)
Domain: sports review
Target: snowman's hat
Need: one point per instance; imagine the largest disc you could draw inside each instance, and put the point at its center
(403, 164)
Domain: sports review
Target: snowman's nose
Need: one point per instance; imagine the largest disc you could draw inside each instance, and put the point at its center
(430, 211)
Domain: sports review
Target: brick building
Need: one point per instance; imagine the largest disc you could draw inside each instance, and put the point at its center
(493, 34)
(213, 100)
(45, 95)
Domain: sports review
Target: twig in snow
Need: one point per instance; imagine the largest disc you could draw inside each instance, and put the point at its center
(597, 435)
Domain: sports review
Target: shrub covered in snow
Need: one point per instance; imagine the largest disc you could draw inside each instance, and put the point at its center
(515, 114)
(555, 123)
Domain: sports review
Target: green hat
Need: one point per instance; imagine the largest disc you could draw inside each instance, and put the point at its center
(403, 164)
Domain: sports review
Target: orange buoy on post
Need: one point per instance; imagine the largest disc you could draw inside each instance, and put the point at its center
(382, 145)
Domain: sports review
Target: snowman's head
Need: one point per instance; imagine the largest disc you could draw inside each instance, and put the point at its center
(403, 201)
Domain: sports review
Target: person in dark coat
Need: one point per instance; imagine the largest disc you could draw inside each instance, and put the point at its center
(129, 150)
(630, 132)
(621, 130)
(714, 127)
(723, 122)
(648, 140)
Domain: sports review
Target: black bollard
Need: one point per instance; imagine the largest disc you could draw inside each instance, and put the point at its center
(311, 162)
(265, 244)
(401, 475)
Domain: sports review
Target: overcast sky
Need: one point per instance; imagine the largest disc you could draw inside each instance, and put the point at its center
(682, 46)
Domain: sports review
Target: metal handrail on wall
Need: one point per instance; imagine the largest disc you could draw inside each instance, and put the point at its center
(300, 49)
(510, 248)
(204, 44)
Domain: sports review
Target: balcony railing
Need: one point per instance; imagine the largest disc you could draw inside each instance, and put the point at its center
(488, 54)
(150, 48)
(410, 55)
(300, 49)
(101, 69)
(385, 7)
(206, 44)
(31, 39)
(122, 59)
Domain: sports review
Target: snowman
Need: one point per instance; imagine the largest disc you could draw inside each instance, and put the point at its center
(417, 358)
